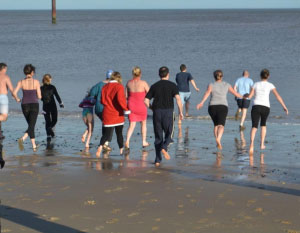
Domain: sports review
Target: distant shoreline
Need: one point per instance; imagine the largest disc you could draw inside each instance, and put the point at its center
(174, 9)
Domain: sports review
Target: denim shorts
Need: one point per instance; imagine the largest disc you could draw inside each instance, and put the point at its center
(184, 96)
(3, 104)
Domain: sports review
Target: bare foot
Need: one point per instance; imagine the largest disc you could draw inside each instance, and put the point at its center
(251, 149)
(219, 145)
(165, 154)
(157, 164)
(121, 151)
(83, 138)
(262, 147)
(126, 146)
(98, 153)
(146, 144)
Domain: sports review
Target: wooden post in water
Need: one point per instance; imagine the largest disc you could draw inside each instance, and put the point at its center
(53, 11)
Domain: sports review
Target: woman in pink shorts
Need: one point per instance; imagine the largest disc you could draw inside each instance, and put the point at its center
(136, 90)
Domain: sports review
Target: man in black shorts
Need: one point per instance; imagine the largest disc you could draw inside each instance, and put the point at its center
(243, 86)
(163, 93)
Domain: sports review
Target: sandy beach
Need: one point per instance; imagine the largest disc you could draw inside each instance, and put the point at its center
(61, 188)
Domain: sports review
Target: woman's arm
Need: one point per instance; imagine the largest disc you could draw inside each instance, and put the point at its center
(146, 87)
(57, 95)
(205, 96)
(232, 91)
(280, 100)
(15, 92)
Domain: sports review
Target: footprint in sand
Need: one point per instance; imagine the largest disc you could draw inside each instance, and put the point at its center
(133, 214)
(54, 219)
(155, 228)
(210, 211)
(112, 221)
(116, 211)
(90, 202)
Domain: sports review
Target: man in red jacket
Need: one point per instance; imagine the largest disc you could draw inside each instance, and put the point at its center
(163, 92)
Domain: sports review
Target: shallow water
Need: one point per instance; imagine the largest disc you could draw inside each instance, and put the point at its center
(84, 44)
(193, 152)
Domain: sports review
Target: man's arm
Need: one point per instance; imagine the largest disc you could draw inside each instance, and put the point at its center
(179, 104)
(194, 85)
(11, 88)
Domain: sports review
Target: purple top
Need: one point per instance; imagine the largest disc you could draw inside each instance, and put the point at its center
(30, 97)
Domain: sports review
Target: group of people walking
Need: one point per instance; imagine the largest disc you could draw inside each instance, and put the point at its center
(111, 101)
(32, 93)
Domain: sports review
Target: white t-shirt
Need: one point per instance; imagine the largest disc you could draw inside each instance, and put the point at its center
(262, 91)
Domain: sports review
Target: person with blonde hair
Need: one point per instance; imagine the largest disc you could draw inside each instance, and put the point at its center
(136, 90)
(49, 106)
(115, 106)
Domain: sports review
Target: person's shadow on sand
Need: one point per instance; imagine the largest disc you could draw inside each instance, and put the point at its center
(33, 221)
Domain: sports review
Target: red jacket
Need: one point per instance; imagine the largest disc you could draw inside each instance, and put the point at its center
(114, 102)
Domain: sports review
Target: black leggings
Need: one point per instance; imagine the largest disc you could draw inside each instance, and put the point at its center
(30, 112)
(218, 114)
(108, 131)
(50, 117)
(259, 112)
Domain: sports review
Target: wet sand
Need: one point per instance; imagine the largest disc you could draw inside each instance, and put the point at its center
(64, 189)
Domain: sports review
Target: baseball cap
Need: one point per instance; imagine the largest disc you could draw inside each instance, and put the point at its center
(108, 73)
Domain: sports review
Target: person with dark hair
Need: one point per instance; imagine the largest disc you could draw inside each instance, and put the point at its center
(261, 107)
(5, 85)
(243, 86)
(183, 79)
(49, 106)
(30, 103)
(96, 93)
(218, 105)
(115, 107)
(163, 92)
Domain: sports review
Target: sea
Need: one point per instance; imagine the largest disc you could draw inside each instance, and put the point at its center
(83, 45)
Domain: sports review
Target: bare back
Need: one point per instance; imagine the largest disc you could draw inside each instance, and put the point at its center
(5, 84)
(137, 85)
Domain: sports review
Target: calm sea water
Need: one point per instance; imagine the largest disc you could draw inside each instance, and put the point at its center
(84, 44)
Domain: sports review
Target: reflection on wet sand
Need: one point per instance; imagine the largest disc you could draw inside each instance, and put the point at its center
(262, 165)
(241, 144)
(182, 148)
(2, 161)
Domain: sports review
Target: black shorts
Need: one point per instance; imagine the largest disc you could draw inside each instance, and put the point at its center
(261, 113)
(243, 103)
(218, 114)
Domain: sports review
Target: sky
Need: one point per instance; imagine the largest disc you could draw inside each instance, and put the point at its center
(147, 4)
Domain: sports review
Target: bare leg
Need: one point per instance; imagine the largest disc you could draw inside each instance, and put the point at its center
(252, 137)
(129, 133)
(24, 137)
(237, 114)
(144, 133)
(244, 114)
(3, 117)
(187, 105)
(98, 153)
(83, 137)
(179, 120)
(220, 131)
(90, 125)
(33, 143)
(263, 136)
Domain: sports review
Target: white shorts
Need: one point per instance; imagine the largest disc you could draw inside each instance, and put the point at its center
(3, 104)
